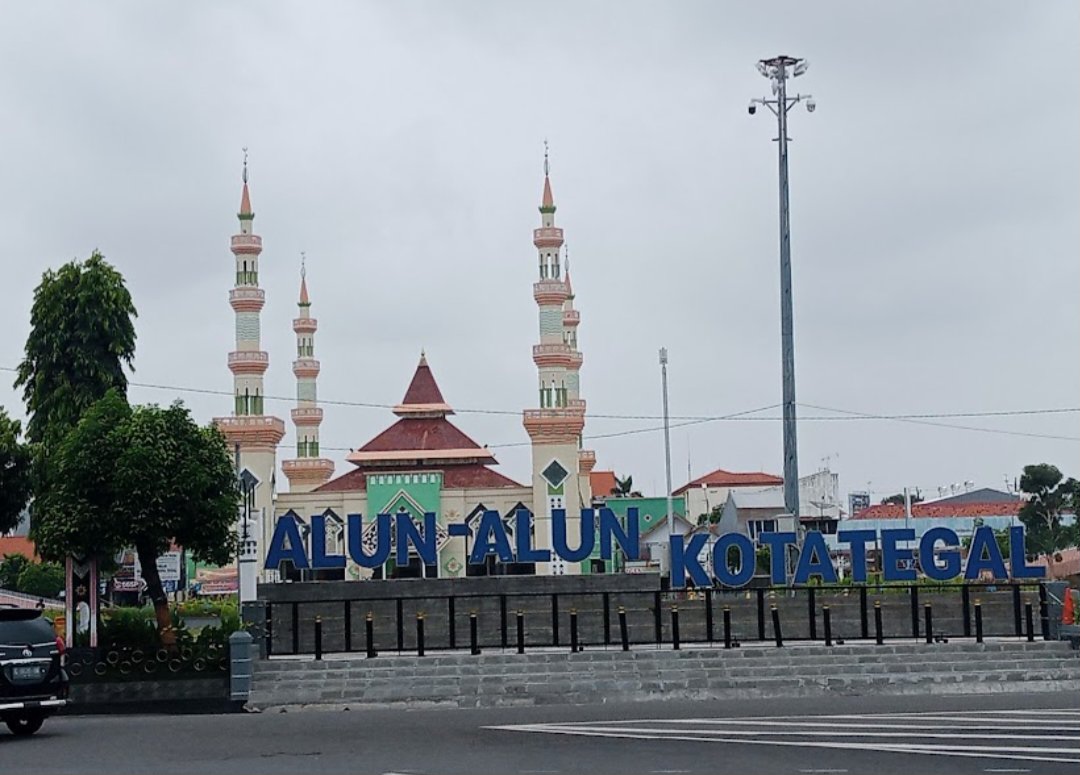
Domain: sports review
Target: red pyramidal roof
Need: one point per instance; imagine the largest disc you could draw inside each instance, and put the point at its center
(423, 434)
(245, 201)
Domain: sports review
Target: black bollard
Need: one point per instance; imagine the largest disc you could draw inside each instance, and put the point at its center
(369, 633)
(776, 627)
(675, 627)
(573, 632)
(420, 634)
(727, 627)
(708, 616)
(928, 617)
(318, 637)
(878, 636)
(474, 645)
(978, 622)
(1044, 612)
(828, 624)
(521, 632)
(1029, 622)
(624, 634)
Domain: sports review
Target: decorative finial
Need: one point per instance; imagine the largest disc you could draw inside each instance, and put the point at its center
(545, 157)
(303, 265)
(245, 164)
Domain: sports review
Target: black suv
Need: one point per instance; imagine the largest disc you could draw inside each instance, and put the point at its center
(33, 682)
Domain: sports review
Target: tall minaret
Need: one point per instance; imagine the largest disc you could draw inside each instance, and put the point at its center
(307, 470)
(560, 467)
(253, 432)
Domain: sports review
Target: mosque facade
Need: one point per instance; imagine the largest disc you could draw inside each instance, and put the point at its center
(422, 462)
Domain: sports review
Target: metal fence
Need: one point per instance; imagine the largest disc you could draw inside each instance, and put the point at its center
(615, 619)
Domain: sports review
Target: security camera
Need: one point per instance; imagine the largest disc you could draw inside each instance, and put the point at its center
(752, 109)
(811, 106)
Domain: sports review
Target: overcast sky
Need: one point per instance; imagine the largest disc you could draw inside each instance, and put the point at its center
(934, 212)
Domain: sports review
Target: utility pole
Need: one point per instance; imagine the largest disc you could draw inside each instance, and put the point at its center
(776, 70)
(667, 450)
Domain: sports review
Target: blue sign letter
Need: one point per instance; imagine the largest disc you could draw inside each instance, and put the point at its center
(319, 557)
(409, 533)
(892, 555)
(745, 562)
(558, 535)
(628, 539)
(491, 539)
(1020, 568)
(815, 560)
(377, 558)
(685, 558)
(984, 554)
(777, 543)
(286, 531)
(858, 540)
(523, 538)
(951, 556)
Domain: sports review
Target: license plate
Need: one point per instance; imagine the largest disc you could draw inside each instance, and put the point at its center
(26, 672)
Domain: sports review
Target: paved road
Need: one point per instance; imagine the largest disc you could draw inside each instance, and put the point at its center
(977, 734)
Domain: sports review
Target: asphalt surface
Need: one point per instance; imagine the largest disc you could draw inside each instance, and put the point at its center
(999, 733)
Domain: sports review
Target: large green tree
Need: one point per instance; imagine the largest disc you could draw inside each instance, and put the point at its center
(15, 460)
(11, 565)
(81, 337)
(145, 477)
(1050, 495)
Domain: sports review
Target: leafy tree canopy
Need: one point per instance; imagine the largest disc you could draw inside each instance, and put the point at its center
(898, 499)
(145, 477)
(11, 565)
(1050, 495)
(41, 579)
(15, 481)
(625, 488)
(81, 336)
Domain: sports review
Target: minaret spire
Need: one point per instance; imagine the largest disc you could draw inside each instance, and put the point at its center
(560, 467)
(253, 433)
(308, 469)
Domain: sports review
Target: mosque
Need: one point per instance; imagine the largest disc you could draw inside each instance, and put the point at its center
(422, 462)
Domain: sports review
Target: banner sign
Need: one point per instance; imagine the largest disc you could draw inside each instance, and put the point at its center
(733, 554)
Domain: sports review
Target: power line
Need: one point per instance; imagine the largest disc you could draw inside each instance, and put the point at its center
(924, 418)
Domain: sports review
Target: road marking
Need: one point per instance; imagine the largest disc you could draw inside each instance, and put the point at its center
(1006, 769)
(1028, 736)
(821, 771)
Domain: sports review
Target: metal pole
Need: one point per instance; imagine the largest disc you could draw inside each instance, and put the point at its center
(667, 450)
(787, 335)
(776, 70)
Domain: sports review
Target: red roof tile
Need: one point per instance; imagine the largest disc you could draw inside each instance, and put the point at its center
(722, 478)
(472, 476)
(422, 389)
(941, 511)
(602, 483)
(17, 545)
(424, 434)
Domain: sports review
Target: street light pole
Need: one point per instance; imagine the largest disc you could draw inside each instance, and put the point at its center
(776, 70)
(667, 450)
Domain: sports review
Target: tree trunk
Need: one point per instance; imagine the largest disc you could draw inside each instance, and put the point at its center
(148, 561)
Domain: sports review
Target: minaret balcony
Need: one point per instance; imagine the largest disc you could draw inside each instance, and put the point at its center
(305, 367)
(307, 415)
(586, 461)
(251, 430)
(550, 292)
(305, 325)
(548, 237)
(571, 317)
(553, 426)
(249, 362)
(247, 299)
(552, 355)
(246, 244)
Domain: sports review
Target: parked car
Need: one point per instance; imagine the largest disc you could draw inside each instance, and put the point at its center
(33, 681)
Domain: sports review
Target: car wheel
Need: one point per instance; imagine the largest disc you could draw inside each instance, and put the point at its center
(24, 726)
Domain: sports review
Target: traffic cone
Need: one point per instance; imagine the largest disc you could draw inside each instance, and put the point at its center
(1068, 613)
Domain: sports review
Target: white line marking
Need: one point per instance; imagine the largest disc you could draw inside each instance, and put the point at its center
(708, 733)
(1006, 769)
(822, 771)
(832, 725)
(1025, 754)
